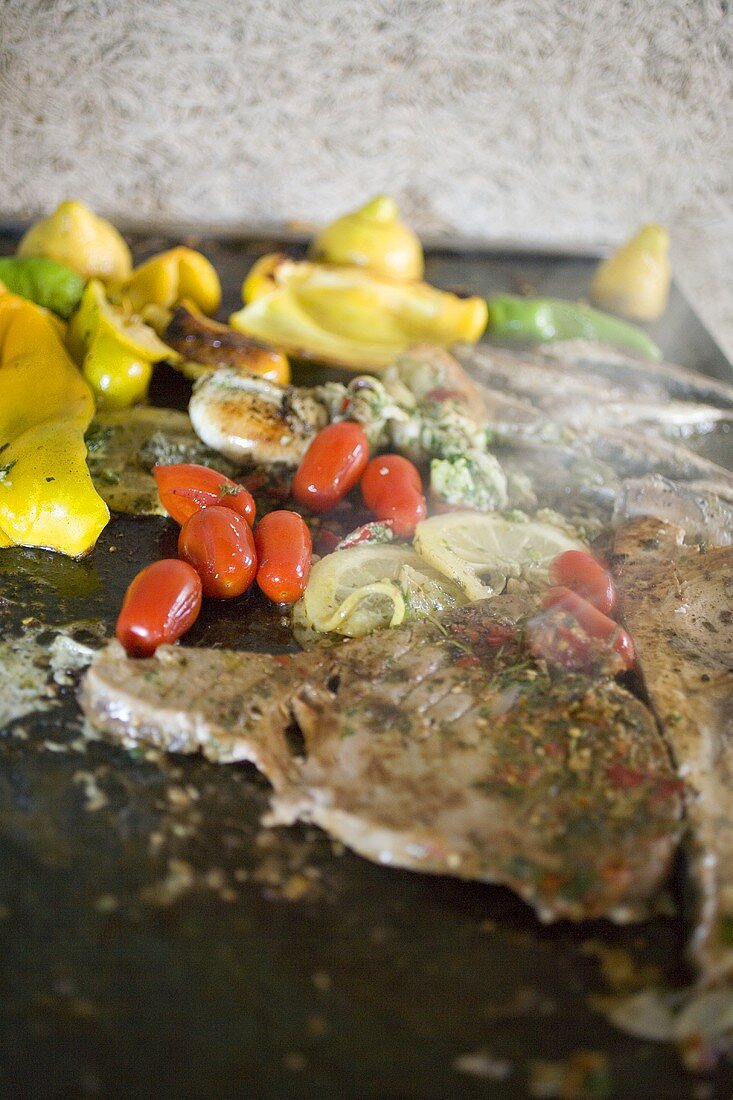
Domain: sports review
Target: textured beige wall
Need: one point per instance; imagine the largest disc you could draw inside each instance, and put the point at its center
(545, 120)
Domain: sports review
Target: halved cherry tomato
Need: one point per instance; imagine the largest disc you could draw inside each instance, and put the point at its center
(331, 466)
(220, 546)
(284, 548)
(581, 572)
(593, 621)
(185, 488)
(392, 489)
(161, 603)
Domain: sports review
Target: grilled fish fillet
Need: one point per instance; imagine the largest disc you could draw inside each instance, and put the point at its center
(677, 602)
(422, 751)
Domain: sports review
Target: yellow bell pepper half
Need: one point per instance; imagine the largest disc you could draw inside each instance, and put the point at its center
(166, 279)
(46, 494)
(116, 353)
(76, 237)
(347, 317)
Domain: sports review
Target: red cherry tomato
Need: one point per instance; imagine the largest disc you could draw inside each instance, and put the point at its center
(331, 466)
(405, 510)
(220, 546)
(581, 572)
(161, 603)
(186, 488)
(388, 472)
(593, 621)
(392, 489)
(284, 548)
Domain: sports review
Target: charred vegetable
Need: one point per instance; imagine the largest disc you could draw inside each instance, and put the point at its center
(205, 345)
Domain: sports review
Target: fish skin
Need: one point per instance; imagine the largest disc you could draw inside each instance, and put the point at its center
(703, 515)
(408, 754)
(573, 397)
(677, 603)
(635, 453)
(619, 366)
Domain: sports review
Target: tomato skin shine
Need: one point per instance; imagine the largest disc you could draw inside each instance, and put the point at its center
(284, 550)
(392, 490)
(582, 573)
(593, 621)
(219, 545)
(161, 603)
(331, 466)
(185, 488)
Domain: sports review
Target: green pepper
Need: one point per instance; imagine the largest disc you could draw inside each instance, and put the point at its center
(44, 282)
(543, 319)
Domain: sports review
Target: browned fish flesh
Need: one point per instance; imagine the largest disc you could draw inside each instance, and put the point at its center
(677, 602)
(427, 747)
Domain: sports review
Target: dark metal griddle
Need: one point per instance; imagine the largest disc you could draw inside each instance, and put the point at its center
(284, 966)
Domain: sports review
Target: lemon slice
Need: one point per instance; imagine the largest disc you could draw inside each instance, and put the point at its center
(479, 551)
(366, 588)
(96, 315)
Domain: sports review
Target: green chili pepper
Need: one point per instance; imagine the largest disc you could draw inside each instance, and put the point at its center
(44, 282)
(543, 319)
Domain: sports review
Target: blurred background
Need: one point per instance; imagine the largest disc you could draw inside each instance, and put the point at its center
(552, 122)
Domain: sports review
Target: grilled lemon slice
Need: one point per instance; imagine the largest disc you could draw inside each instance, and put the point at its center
(366, 588)
(480, 551)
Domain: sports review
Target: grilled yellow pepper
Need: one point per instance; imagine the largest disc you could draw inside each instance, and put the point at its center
(46, 494)
(372, 237)
(76, 237)
(116, 353)
(634, 281)
(347, 317)
(166, 279)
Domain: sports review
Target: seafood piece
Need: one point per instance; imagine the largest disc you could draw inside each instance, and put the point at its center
(621, 368)
(632, 454)
(703, 515)
(249, 419)
(677, 602)
(573, 397)
(575, 484)
(469, 769)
